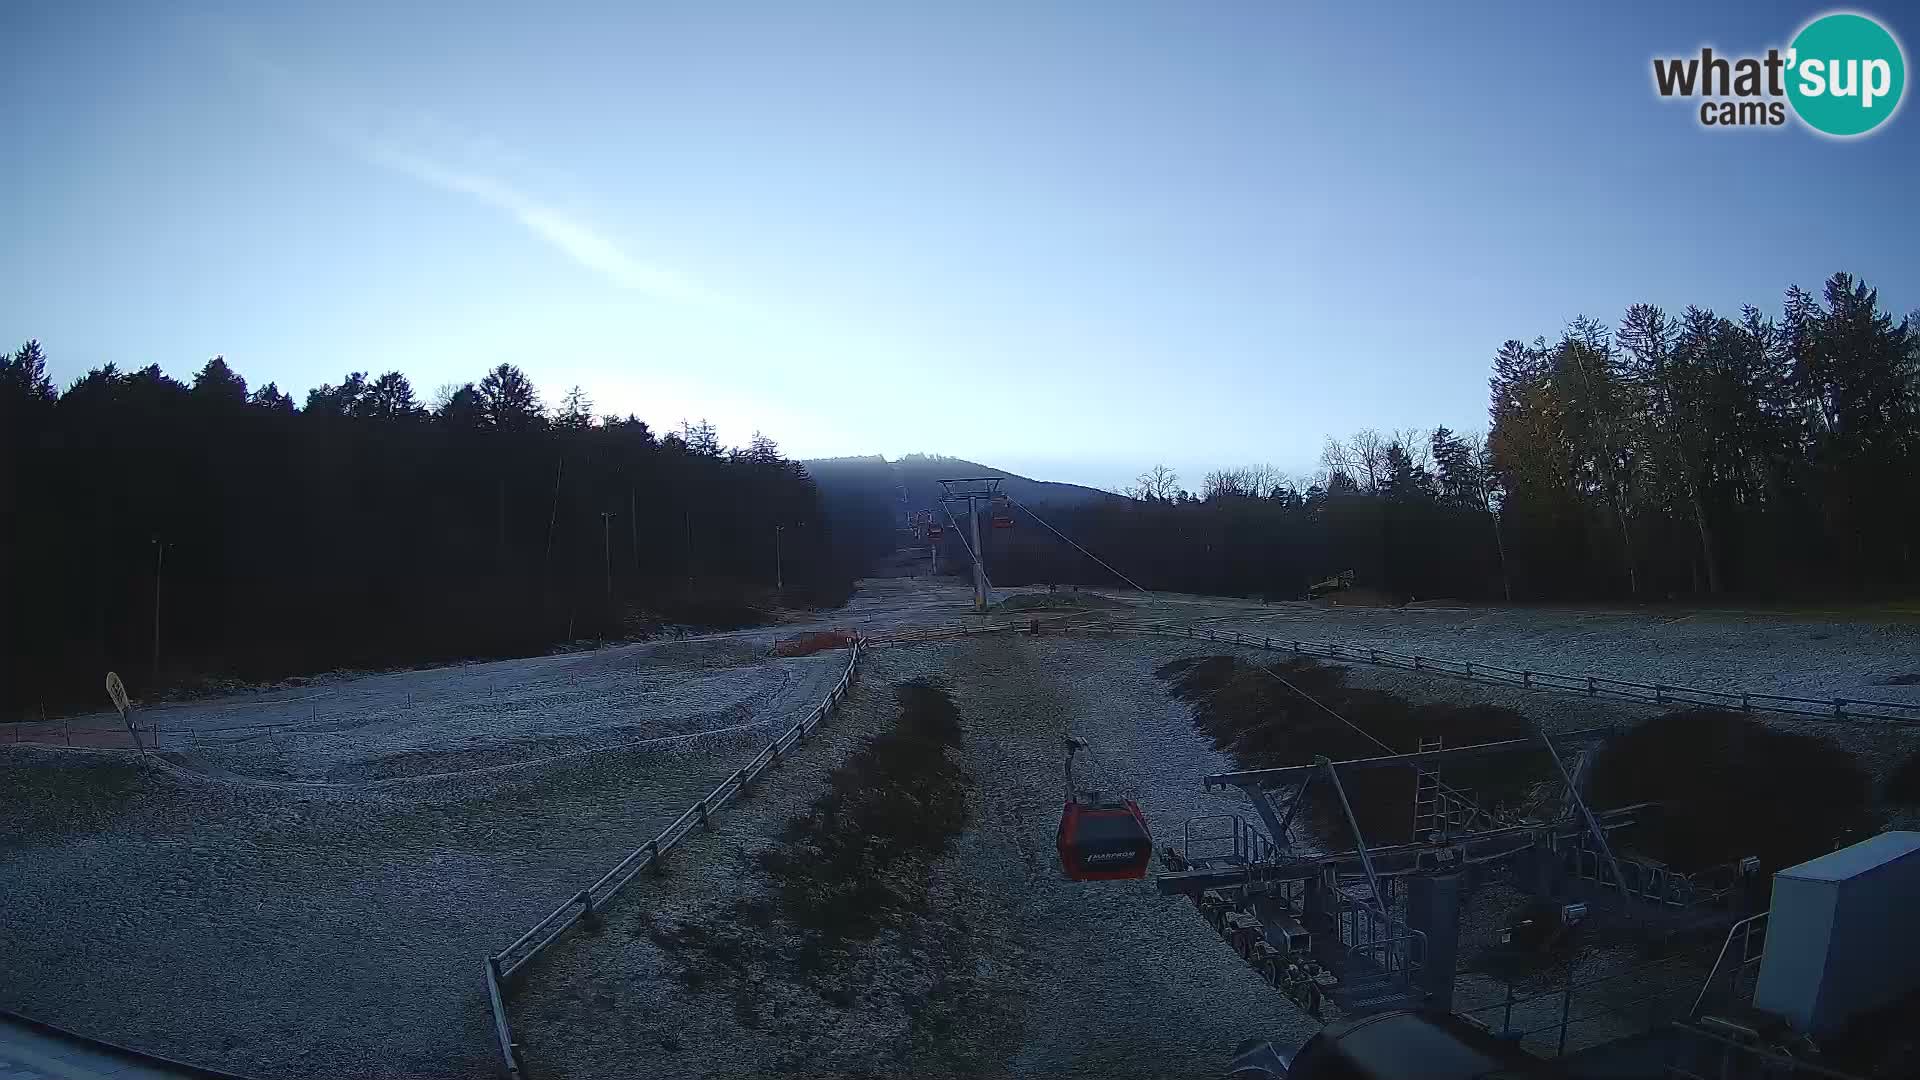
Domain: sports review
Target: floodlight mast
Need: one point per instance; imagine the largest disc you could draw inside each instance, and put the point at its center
(974, 489)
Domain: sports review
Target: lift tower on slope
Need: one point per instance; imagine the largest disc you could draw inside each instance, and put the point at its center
(976, 490)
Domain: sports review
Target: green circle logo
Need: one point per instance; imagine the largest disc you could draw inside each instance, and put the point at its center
(1845, 73)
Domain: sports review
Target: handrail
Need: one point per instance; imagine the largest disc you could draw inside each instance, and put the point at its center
(1714, 972)
(503, 964)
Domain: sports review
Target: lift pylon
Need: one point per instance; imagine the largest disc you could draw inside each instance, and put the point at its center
(975, 491)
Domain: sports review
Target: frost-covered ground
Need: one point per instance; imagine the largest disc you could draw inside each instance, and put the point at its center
(317, 900)
(1715, 650)
(308, 882)
(1057, 978)
(1096, 979)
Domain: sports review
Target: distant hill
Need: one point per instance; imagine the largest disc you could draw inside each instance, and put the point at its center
(913, 481)
(869, 499)
(920, 473)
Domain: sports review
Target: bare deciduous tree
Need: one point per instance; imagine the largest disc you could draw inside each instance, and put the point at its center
(1158, 482)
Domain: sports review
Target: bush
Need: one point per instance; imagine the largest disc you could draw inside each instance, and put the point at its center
(1904, 785)
(1251, 714)
(1731, 787)
(856, 859)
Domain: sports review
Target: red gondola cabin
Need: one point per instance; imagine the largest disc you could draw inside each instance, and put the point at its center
(1104, 841)
(1101, 839)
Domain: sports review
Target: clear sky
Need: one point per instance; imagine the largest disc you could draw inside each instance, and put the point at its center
(1065, 238)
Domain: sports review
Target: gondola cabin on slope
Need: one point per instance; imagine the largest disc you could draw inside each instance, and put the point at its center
(1101, 838)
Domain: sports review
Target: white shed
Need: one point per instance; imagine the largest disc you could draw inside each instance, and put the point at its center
(1844, 934)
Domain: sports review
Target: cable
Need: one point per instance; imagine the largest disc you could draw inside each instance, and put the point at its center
(1323, 708)
(1362, 732)
(1074, 546)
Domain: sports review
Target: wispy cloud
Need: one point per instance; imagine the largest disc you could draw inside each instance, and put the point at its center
(423, 148)
(576, 239)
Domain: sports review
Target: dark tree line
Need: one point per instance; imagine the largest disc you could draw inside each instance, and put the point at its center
(1759, 455)
(365, 528)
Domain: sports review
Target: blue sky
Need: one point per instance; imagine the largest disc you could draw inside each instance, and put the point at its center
(1068, 238)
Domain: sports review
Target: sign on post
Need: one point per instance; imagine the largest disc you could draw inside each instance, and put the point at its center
(117, 693)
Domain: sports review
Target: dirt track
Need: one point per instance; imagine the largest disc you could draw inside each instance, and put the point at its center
(1016, 971)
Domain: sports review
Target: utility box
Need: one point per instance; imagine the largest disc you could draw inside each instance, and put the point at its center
(1843, 937)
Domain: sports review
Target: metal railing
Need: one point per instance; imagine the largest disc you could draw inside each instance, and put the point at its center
(1654, 884)
(501, 965)
(1842, 708)
(1744, 932)
(1248, 843)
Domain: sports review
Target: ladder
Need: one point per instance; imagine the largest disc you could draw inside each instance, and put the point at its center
(1429, 813)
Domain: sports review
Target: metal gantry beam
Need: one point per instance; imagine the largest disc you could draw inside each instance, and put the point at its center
(1299, 773)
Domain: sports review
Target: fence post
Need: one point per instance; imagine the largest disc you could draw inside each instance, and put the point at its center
(704, 819)
(653, 855)
(1566, 1008)
(1746, 703)
(1266, 643)
(1659, 694)
(1469, 669)
(1416, 661)
(1373, 655)
(586, 901)
(1591, 688)
(1838, 707)
(1526, 680)
(1506, 1024)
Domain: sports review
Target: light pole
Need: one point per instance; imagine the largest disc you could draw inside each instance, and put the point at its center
(779, 578)
(159, 562)
(606, 548)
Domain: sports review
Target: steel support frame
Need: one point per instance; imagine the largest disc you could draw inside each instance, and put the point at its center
(1593, 826)
(1277, 822)
(972, 489)
(1359, 841)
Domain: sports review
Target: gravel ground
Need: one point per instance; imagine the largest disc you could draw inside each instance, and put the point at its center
(1714, 650)
(295, 928)
(1054, 977)
(315, 900)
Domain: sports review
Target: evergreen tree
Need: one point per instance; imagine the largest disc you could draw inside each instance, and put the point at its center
(389, 397)
(217, 383)
(508, 401)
